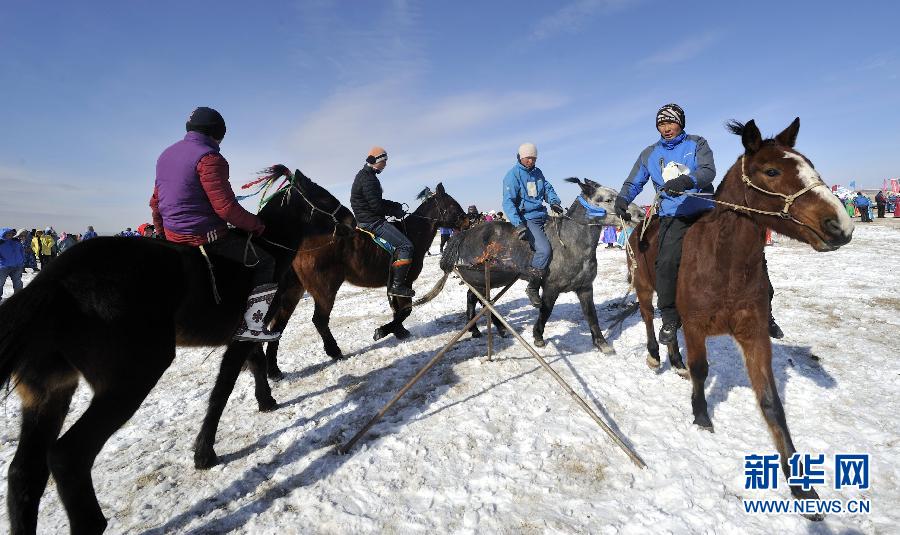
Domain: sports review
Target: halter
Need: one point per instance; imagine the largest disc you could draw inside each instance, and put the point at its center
(291, 187)
(788, 199)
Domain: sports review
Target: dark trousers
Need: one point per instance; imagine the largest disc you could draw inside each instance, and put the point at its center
(864, 215)
(880, 210)
(403, 248)
(444, 239)
(45, 259)
(232, 246)
(671, 236)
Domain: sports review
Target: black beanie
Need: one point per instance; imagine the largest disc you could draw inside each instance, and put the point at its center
(206, 121)
(670, 113)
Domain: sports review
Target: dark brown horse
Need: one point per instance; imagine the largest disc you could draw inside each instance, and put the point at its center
(722, 283)
(323, 264)
(112, 311)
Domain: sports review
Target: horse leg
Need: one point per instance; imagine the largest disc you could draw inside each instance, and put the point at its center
(549, 300)
(324, 299)
(699, 370)
(402, 309)
(118, 394)
(501, 329)
(471, 300)
(400, 316)
(645, 302)
(232, 361)
(273, 372)
(293, 292)
(43, 413)
(258, 366)
(586, 298)
(757, 349)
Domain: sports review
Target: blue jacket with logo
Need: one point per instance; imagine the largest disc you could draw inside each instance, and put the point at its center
(861, 201)
(687, 150)
(12, 252)
(524, 193)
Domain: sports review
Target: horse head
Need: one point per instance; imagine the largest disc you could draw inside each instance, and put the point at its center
(440, 207)
(303, 204)
(782, 189)
(595, 200)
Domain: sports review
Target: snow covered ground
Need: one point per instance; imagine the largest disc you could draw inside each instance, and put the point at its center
(497, 447)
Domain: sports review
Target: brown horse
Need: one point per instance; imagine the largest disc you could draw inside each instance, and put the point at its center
(722, 283)
(322, 265)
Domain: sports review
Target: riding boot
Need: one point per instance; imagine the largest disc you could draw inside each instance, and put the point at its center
(535, 278)
(398, 287)
(774, 330)
(253, 328)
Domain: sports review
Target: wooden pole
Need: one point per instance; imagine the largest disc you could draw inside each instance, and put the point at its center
(612, 434)
(487, 290)
(345, 448)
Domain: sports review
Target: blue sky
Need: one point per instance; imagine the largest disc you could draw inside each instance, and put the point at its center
(92, 92)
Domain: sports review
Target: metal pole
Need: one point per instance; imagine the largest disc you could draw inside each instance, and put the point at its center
(345, 448)
(487, 290)
(612, 434)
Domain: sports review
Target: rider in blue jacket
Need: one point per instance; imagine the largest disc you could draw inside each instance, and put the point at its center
(524, 192)
(678, 163)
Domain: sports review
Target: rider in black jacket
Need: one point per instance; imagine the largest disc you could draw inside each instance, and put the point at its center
(370, 209)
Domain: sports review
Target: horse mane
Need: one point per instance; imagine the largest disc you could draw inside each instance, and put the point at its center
(424, 194)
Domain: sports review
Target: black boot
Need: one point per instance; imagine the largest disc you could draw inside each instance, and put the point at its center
(669, 332)
(535, 278)
(774, 330)
(398, 286)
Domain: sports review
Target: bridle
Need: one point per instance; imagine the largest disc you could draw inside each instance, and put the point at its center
(785, 210)
(286, 199)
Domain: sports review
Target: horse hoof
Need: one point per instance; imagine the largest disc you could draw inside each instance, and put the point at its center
(401, 333)
(682, 372)
(267, 405)
(206, 460)
(652, 362)
(538, 342)
(502, 333)
(275, 374)
(335, 353)
(704, 423)
(476, 334)
(379, 334)
(605, 348)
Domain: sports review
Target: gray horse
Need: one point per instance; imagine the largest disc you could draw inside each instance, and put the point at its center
(574, 239)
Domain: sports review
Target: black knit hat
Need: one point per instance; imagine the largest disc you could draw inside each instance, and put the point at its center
(670, 113)
(206, 121)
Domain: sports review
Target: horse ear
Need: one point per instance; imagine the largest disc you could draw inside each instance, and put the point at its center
(751, 138)
(440, 189)
(301, 179)
(591, 182)
(789, 136)
(585, 188)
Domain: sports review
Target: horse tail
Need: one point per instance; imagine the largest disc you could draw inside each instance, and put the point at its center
(18, 316)
(448, 260)
(433, 292)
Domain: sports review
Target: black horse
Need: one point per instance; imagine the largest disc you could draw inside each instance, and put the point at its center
(113, 310)
(573, 267)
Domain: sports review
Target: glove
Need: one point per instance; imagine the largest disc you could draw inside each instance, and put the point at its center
(679, 184)
(522, 232)
(622, 208)
(557, 208)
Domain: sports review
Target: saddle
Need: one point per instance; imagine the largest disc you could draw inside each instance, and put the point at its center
(381, 242)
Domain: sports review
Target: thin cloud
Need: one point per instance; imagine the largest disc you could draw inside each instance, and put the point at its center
(574, 16)
(682, 51)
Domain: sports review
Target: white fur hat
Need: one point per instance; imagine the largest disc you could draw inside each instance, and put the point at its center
(527, 150)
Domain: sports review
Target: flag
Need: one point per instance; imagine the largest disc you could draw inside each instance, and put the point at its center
(852, 185)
